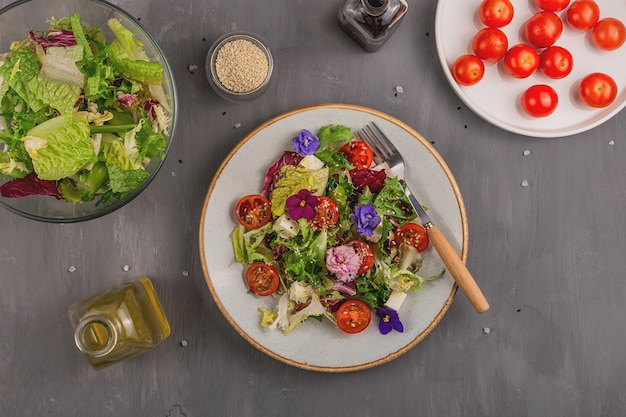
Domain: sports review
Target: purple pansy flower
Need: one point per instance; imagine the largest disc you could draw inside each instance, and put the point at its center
(301, 205)
(306, 143)
(366, 219)
(389, 320)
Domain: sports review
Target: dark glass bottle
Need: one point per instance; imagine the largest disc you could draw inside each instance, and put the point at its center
(371, 22)
(119, 324)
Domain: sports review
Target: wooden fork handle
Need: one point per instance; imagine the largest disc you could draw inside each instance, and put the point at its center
(458, 270)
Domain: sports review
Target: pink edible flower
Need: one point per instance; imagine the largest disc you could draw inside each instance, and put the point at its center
(344, 262)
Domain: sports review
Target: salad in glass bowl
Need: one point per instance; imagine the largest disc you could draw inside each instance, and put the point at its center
(85, 119)
(330, 235)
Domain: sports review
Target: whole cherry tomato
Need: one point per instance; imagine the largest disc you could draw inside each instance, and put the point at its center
(552, 5)
(353, 316)
(253, 211)
(583, 14)
(490, 44)
(262, 279)
(543, 29)
(556, 62)
(521, 61)
(608, 34)
(496, 13)
(468, 69)
(539, 100)
(597, 90)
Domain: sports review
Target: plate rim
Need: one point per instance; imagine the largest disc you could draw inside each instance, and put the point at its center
(333, 369)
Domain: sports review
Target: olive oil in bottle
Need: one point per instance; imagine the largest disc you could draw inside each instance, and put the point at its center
(119, 324)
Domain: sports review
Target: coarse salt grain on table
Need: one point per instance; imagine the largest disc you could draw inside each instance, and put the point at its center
(241, 66)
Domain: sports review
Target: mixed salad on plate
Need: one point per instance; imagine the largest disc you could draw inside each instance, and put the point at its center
(330, 235)
(80, 116)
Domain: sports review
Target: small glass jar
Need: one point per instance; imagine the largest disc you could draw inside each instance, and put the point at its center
(119, 324)
(371, 22)
(239, 66)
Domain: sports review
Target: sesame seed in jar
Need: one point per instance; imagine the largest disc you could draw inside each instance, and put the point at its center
(241, 66)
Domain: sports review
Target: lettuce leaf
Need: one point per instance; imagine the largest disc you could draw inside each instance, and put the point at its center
(11, 167)
(129, 58)
(124, 181)
(293, 179)
(248, 245)
(59, 63)
(392, 201)
(17, 72)
(60, 149)
(114, 152)
(57, 94)
(79, 35)
(150, 143)
(332, 134)
(87, 185)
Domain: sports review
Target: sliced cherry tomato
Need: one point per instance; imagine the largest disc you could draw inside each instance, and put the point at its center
(556, 62)
(583, 14)
(597, 90)
(468, 69)
(608, 34)
(253, 211)
(552, 5)
(262, 279)
(521, 61)
(412, 234)
(358, 154)
(540, 100)
(326, 213)
(490, 44)
(353, 316)
(366, 254)
(496, 13)
(543, 29)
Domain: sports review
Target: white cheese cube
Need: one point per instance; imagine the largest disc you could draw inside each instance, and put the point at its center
(377, 233)
(286, 227)
(395, 300)
(311, 162)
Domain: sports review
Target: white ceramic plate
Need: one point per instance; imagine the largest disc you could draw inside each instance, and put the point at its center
(319, 345)
(496, 97)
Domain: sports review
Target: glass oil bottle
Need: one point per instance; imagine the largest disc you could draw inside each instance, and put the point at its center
(371, 22)
(119, 324)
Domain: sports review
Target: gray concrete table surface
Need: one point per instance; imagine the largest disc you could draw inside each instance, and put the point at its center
(549, 256)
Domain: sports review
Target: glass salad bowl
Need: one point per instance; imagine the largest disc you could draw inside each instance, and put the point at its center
(84, 128)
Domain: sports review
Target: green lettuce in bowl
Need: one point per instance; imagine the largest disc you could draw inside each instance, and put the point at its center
(87, 111)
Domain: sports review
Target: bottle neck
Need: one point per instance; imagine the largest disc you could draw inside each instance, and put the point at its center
(375, 7)
(96, 336)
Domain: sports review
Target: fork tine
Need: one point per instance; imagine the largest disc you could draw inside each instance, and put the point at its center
(367, 135)
(383, 140)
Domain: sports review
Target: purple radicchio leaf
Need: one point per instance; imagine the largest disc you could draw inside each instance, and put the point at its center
(29, 185)
(287, 158)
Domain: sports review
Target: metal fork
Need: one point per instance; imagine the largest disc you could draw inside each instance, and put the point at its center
(387, 155)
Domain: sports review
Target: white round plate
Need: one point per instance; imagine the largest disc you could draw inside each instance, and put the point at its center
(496, 97)
(319, 345)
